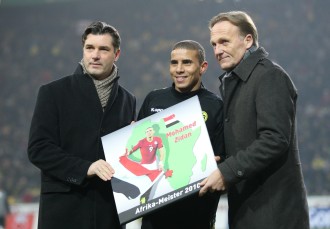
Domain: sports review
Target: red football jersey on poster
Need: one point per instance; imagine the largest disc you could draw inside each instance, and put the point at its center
(148, 149)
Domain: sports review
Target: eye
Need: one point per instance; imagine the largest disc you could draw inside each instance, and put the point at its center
(88, 47)
(187, 62)
(104, 49)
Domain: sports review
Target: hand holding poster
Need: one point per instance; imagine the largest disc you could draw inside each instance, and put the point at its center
(159, 159)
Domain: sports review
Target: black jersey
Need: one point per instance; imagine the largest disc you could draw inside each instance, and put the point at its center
(193, 211)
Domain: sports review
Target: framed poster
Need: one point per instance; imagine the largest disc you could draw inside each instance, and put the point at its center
(159, 159)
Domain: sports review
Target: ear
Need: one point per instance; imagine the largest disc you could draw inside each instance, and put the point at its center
(203, 68)
(117, 54)
(248, 40)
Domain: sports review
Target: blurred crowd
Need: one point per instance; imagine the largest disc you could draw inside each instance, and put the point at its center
(40, 43)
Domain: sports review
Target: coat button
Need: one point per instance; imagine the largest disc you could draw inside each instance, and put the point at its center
(239, 173)
(226, 119)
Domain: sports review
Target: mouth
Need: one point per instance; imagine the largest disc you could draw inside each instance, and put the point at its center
(180, 78)
(221, 58)
(95, 64)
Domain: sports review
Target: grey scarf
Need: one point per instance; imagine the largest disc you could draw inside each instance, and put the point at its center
(103, 87)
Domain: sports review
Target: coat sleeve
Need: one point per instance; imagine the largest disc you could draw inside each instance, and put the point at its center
(44, 146)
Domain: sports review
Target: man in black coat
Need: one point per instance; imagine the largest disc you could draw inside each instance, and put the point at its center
(262, 172)
(70, 117)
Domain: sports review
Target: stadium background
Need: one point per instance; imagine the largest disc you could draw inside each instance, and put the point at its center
(40, 42)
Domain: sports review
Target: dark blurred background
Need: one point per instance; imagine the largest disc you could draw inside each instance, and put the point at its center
(40, 41)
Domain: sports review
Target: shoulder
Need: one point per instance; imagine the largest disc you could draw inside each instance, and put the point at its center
(155, 101)
(158, 95)
(273, 74)
(59, 84)
(207, 97)
(266, 66)
(159, 92)
(126, 92)
(71, 80)
(212, 105)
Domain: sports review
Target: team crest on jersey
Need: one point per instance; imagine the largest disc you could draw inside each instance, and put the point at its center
(205, 115)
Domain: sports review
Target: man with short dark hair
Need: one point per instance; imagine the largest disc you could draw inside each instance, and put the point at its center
(70, 117)
(187, 66)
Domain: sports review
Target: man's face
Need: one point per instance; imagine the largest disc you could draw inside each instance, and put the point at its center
(228, 44)
(185, 69)
(149, 132)
(99, 55)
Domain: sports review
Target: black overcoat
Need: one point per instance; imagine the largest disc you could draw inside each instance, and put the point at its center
(65, 139)
(263, 170)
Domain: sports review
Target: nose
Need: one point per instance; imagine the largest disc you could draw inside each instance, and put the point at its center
(179, 67)
(217, 49)
(96, 54)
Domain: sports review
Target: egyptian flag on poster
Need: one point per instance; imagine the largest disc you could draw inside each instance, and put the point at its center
(138, 169)
(170, 121)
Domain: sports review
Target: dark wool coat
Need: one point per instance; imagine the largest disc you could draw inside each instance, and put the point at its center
(65, 138)
(263, 169)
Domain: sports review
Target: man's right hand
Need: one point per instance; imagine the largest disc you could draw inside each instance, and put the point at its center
(214, 182)
(102, 169)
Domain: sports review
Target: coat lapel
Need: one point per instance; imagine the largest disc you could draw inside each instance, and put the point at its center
(231, 85)
(88, 91)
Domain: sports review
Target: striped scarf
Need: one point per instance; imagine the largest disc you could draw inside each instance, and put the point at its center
(103, 87)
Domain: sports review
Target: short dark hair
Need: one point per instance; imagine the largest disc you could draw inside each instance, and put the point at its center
(191, 45)
(100, 27)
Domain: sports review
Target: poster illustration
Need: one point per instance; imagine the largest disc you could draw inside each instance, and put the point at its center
(159, 159)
